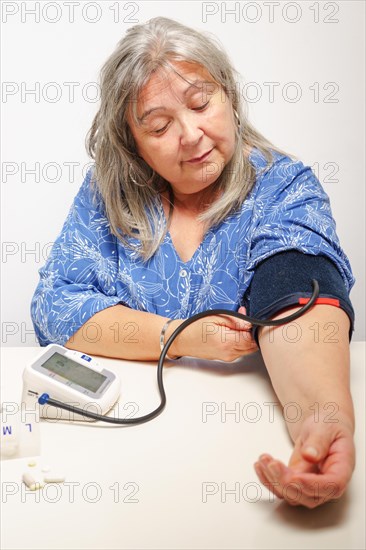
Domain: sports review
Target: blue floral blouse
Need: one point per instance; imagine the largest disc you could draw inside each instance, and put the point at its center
(89, 269)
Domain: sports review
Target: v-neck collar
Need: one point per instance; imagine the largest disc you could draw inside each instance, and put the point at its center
(169, 239)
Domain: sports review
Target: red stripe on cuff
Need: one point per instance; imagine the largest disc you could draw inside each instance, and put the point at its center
(329, 301)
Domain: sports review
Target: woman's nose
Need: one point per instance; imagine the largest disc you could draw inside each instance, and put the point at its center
(191, 132)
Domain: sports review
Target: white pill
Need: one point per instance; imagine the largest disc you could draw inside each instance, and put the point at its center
(53, 478)
(46, 469)
(9, 448)
(30, 482)
(32, 463)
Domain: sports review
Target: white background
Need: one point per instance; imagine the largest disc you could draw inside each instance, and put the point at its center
(317, 45)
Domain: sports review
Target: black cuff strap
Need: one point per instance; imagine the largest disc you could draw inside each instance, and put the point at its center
(284, 280)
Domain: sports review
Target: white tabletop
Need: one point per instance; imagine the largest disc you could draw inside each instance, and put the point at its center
(185, 480)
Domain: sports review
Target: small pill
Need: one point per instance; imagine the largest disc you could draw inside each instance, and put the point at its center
(9, 449)
(53, 478)
(32, 463)
(30, 482)
(46, 469)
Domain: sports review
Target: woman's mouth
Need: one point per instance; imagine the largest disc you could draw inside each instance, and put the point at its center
(202, 158)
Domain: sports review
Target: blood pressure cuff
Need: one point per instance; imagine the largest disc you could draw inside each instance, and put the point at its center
(284, 280)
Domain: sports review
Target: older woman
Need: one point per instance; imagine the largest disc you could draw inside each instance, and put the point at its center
(189, 208)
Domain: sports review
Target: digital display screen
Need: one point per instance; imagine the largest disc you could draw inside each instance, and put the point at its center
(74, 372)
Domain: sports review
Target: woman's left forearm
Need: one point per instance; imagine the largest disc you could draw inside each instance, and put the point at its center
(308, 361)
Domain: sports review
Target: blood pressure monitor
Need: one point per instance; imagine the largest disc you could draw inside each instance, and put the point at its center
(72, 377)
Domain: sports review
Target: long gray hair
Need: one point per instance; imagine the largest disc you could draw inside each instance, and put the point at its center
(127, 184)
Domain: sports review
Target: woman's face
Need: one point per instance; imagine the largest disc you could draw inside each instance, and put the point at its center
(187, 132)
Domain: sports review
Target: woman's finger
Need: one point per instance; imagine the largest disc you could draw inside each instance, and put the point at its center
(306, 489)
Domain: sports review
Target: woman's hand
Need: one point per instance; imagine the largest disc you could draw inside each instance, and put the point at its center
(320, 466)
(219, 337)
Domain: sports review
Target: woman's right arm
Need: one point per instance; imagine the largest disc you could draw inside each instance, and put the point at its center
(121, 332)
(125, 333)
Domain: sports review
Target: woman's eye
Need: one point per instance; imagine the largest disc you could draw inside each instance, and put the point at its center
(201, 107)
(160, 130)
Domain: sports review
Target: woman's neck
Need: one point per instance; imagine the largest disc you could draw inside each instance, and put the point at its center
(193, 203)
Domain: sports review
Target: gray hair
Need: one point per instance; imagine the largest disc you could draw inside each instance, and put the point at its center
(126, 183)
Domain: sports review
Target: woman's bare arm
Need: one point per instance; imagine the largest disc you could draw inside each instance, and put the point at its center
(125, 333)
(309, 365)
(120, 332)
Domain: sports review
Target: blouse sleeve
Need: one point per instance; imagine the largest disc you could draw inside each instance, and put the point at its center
(78, 278)
(292, 211)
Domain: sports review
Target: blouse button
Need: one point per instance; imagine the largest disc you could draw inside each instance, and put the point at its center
(183, 273)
